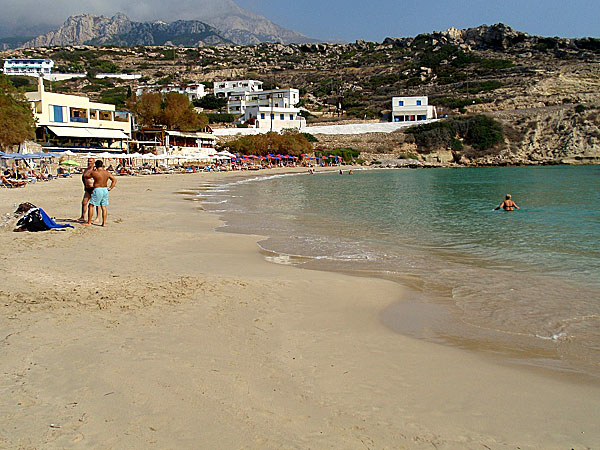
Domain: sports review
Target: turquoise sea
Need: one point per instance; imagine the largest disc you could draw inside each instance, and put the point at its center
(524, 284)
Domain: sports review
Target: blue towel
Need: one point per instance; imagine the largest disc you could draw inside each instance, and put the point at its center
(51, 223)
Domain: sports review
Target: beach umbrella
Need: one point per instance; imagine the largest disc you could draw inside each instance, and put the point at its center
(69, 162)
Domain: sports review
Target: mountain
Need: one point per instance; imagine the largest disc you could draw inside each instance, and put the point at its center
(120, 30)
(223, 22)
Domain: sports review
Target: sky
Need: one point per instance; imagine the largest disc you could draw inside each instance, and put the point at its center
(374, 20)
(346, 20)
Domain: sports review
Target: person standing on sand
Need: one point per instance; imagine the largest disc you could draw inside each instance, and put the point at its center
(507, 204)
(88, 188)
(101, 189)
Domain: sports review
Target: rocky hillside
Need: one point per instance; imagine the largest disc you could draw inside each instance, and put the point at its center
(537, 86)
(236, 26)
(120, 31)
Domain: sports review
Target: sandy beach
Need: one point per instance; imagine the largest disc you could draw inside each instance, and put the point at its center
(160, 332)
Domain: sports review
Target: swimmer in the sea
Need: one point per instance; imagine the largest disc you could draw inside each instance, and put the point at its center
(507, 204)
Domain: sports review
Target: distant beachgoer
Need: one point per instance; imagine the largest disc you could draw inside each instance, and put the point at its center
(101, 189)
(341, 172)
(507, 204)
(88, 188)
(351, 172)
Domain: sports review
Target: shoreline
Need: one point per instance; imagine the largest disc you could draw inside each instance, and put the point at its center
(431, 316)
(194, 336)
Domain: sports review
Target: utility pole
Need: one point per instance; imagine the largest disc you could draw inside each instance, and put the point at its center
(340, 96)
(272, 113)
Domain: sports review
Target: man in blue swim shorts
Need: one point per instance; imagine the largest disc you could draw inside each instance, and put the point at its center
(100, 194)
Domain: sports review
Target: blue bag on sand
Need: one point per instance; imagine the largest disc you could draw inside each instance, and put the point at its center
(37, 220)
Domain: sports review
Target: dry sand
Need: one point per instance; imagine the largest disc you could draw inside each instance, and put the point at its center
(158, 332)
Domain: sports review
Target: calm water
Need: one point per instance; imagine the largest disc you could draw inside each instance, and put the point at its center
(525, 284)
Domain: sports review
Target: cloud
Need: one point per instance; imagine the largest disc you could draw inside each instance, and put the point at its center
(25, 14)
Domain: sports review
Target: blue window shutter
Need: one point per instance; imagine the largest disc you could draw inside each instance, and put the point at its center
(58, 113)
(291, 117)
(262, 115)
(281, 117)
(418, 102)
(401, 103)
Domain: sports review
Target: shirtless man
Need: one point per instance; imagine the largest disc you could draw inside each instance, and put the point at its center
(507, 204)
(101, 189)
(88, 188)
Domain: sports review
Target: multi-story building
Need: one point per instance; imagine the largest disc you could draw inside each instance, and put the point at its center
(74, 122)
(412, 109)
(192, 90)
(223, 89)
(31, 67)
(276, 98)
(273, 118)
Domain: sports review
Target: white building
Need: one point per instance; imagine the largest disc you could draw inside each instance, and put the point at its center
(277, 98)
(223, 89)
(192, 90)
(74, 122)
(274, 118)
(31, 67)
(412, 109)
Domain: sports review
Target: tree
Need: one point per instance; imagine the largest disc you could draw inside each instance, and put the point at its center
(16, 117)
(147, 108)
(289, 142)
(172, 110)
(178, 113)
(211, 102)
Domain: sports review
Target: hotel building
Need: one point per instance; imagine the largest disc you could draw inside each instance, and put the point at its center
(193, 91)
(30, 67)
(71, 122)
(412, 109)
(223, 89)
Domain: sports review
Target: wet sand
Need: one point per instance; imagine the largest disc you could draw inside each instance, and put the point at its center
(158, 332)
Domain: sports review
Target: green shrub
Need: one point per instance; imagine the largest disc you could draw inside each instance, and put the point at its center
(579, 109)
(220, 118)
(482, 86)
(211, 102)
(347, 154)
(19, 82)
(115, 96)
(309, 137)
(479, 132)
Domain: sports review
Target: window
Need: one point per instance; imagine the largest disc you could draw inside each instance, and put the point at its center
(105, 115)
(121, 116)
(281, 116)
(57, 113)
(401, 103)
(272, 116)
(78, 115)
(418, 102)
(262, 115)
(291, 117)
(93, 114)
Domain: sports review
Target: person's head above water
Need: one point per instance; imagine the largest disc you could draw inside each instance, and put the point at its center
(507, 196)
